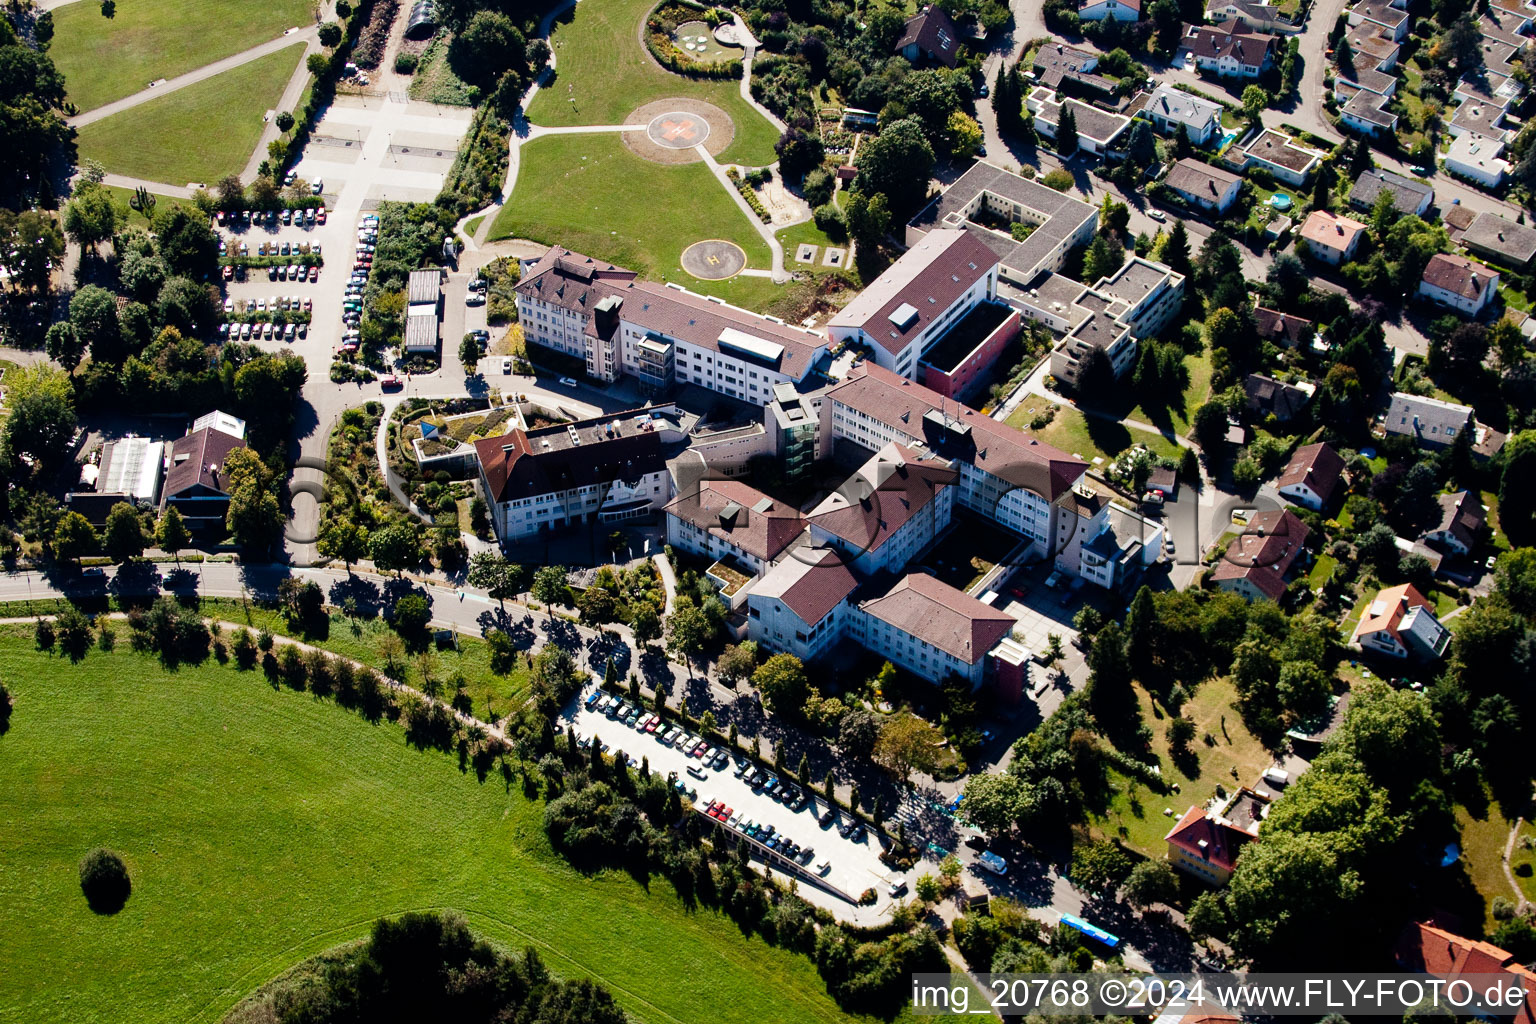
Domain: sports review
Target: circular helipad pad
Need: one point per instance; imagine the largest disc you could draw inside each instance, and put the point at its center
(678, 129)
(714, 259)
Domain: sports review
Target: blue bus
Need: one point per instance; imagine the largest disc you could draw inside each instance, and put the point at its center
(1092, 931)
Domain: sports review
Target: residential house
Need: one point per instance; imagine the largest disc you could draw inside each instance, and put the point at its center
(1408, 195)
(1097, 129)
(1268, 397)
(1431, 422)
(930, 37)
(1230, 49)
(1256, 562)
(1481, 117)
(1205, 843)
(1279, 154)
(1478, 160)
(1458, 283)
(1400, 622)
(1171, 109)
(1430, 949)
(1119, 10)
(1256, 14)
(1203, 186)
(1285, 330)
(1502, 240)
(197, 479)
(1331, 238)
(1365, 111)
(912, 305)
(1461, 523)
(1382, 16)
(1312, 476)
(727, 519)
(1070, 70)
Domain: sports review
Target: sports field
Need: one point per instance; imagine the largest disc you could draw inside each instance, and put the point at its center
(261, 826)
(106, 59)
(590, 193)
(602, 64)
(199, 133)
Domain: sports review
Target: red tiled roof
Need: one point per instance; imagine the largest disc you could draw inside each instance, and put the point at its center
(949, 619)
(824, 581)
(927, 279)
(1316, 465)
(1005, 452)
(1222, 841)
(1276, 325)
(1394, 603)
(1423, 947)
(518, 465)
(1231, 38)
(1264, 552)
(758, 525)
(882, 497)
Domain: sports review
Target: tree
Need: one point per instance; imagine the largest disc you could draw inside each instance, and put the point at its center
(64, 345)
(550, 587)
(124, 534)
(965, 135)
(646, 625)
(284, 121)
(781, 681)
(171, 533)
(857, 732)
(736, 662)
(1209, 427)
(32, 243)
(596, 606)
(90, 218)
(1066, 133)
(927, 888)
(1176, 249)
(74, 536)
(1151, 881)
(1110, 696)
(489, 45)
(1141, 145)
(1100, 868)
(411, 615)
(395, 548)
(896, 163)
(109, 9)
(330, 35)
(317, 64)
(42, 417)
(93, 314)
(1255, 99)
(1140, 633)
(254, 520)
(1517, 488)
(103, 875)
(1464, 42)
(907, 742)
(869, 218)
(993, 802)
(1103, 259)
(495, 575)
(688, 630)
(344, 539)
(1344, 57)
(798, 153)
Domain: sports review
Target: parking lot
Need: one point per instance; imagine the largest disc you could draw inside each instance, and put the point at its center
(855, 865)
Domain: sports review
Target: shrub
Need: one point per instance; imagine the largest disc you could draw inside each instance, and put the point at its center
(405, 63)
(104, 880)
(829, 220)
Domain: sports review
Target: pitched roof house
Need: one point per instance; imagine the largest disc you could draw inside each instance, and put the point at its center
(1230, 49)
(1283, 329)
(1433, 950)
(1400, 622)
(1269, 397)
(1409, 195)
(1462, 518)
(721, 516)
(1207, 187)
(1458, 283)
(930, 36)
(195, 481)
(1331, 238)
(1312, 476)
(1500, 239)
(1433, 423)
(1255, 564)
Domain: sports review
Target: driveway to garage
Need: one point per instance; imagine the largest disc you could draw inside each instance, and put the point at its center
(856, 866)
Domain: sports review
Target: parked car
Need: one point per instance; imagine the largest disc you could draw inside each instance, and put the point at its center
(898, 887)
(506, 365)
(390, 382)
(568, 382)
(992, 862)
(697, 772)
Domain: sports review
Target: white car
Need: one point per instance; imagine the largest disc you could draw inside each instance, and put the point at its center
(898, 887)
(568, 382)
(506, 365)
(261, 304)
(229, 306)
(316, 188)
(992, 862)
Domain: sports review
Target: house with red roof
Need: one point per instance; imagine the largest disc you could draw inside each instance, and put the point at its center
(1205, 842)
(929, 36)
(888, 511)
(1255, 563)
(1400, 622)
(730, 519)
(1312, 477)
(932, 629)
(1434, 950)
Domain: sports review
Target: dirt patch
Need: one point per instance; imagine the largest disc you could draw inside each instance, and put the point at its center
(722, 131)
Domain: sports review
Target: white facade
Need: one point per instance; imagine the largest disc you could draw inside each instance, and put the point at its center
(1479, 160)
(906, 651)
(1470, 305)
(1119, 10)
(523, 518)
(1170, 108)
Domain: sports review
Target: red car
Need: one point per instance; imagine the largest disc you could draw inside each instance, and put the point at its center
(390, 382)
(320, 215)
(229, 272)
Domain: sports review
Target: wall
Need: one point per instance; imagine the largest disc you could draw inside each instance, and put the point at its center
(963, 380)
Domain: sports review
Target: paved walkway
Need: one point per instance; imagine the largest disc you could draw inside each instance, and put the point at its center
(779, 274)
(308, 36)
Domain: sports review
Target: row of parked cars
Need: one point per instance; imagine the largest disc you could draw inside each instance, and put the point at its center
(763, 833)
(306, 218)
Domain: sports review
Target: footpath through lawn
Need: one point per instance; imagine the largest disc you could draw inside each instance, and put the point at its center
(105, 59)
(261, 826)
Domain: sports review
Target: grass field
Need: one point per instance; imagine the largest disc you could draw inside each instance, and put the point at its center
(1482, 849)
(261, 826)
(1088, 436)
(1136, 812)
(120, 197)
(602, 64)
(199, 133)
(579, 191)
(104, 60)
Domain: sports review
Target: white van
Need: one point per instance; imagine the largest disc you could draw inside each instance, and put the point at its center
(992, 862)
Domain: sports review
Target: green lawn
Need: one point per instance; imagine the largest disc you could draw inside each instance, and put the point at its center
(199, 133)
(261, 826)
(604, 66)
(1482, 850)
(568, 192)
(1088, 436)
(120, 197)
(1136, 812)
(147, 40)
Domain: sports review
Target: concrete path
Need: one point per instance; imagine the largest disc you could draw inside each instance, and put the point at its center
(289, 102)
(535, 131)
(309, 36)
(668, 581)
(157, 187)
(779, 274)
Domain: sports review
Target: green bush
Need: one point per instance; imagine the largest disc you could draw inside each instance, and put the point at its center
(104, 880)
(405, 63)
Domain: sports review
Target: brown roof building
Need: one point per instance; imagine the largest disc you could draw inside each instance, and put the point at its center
(1283, 329)
(196, 480)
(1205, 846)
(1432, 950)
(1461, 523)
(1312, 477)
(1255, 564)
(1331, 238)
(948, 620)
(722, 517)
(1458, 283)
(896, 498)
(930, 36)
